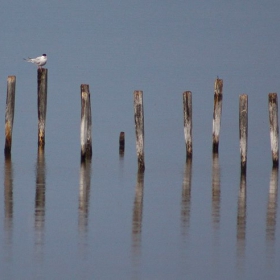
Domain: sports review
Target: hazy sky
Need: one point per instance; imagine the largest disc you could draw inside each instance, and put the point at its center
(143, 42)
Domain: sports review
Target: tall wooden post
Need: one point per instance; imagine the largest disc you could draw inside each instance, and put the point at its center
(42, 79)
(86, 142)
(218, 97)
(243, 130)
(187, 106)
(139, 128)
(9, 115)
(274, 128)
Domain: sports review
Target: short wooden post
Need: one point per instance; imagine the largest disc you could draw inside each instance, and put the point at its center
(9, 115)
(187, 106)
(218, 97)
(121, 142)
(139, 128)
(274, 128)
(42, 79)
(243, 130)
(86, 142)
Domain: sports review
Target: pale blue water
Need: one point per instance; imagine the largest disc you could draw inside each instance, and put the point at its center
(194, 220)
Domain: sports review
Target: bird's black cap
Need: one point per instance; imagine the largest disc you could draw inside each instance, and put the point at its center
(44, 54)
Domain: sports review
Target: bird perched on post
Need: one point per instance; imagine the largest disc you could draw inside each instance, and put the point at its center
(39, 61)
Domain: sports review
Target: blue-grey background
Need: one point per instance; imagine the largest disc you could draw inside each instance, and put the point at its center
(162, 48)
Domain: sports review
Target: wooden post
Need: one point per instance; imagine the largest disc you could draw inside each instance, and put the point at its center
(218, 97)
(9, 115)
(86, 143)
(243, 130)
(187, 106)
(274, 128)
(121, 142)
(139, 128)
(42, 79)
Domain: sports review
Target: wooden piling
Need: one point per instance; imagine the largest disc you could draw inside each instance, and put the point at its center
(218, 97)
(139, 128)
(9, 115)
(243, 130)
(121, 142)
(274, 128)
(187, 106)
(86, 142)
(42, 79)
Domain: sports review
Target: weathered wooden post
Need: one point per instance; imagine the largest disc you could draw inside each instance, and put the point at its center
(121, 142)
(274, 128)
(42, 79)
(243, 130)
(9, 115)
(86, 143)
(187, 106)
(218, 97)
(139, 128)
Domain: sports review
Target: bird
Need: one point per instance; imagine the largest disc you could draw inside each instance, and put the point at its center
(39, 61)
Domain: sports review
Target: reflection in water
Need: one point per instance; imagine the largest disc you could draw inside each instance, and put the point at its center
(241, 222)
(186, 197)
(216, 202)
(84, 195)
(271, 214)
(137, 222)
(8, 196)
(121, 164)
(40, 202)
(272, 205)
(216, 198)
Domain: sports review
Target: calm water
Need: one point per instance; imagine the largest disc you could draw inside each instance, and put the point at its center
(103, 220)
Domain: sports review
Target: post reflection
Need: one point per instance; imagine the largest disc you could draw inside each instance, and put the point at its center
(84, 195)
(40, 200)
(186, 198)
(8, 197)
(137, 220)
(216, 191)
(271, 214)
(241, 221)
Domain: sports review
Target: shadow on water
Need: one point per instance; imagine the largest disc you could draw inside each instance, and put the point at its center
(241, 223)
(186, 198)
(40, 203)
(84, 198)
(8, 197)
(271, 214)
(137, 223)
